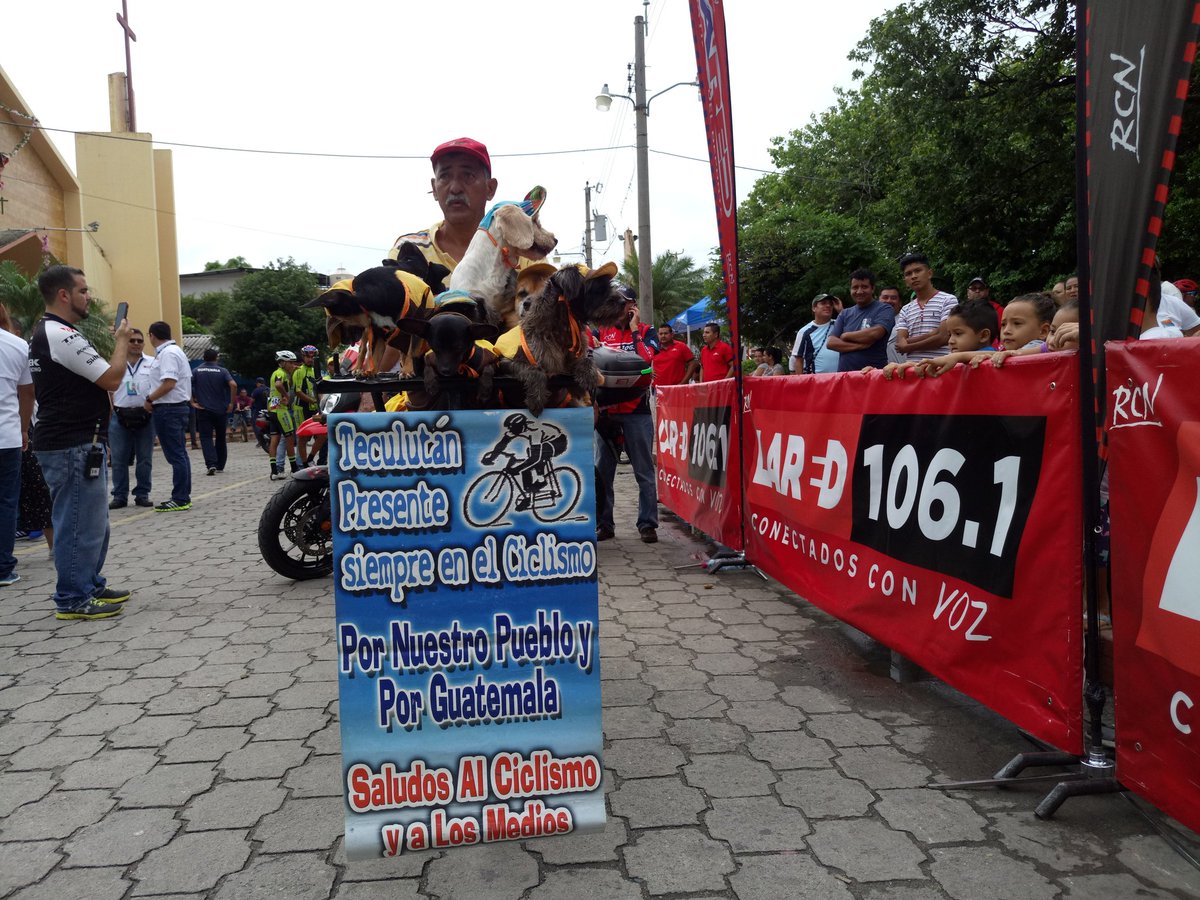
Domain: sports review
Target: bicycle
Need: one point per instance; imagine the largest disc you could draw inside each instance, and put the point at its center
(492, 494)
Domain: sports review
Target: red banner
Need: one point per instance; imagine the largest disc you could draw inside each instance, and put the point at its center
(712, 67)
(940, 516)
(1153, 422)
(698, 460)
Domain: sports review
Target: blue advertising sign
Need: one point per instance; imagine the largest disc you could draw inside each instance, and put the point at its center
(468, 658)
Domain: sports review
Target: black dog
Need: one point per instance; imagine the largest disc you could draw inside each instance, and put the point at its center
(451, 333)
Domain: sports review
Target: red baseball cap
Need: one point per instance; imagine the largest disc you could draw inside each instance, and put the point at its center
(469, 146)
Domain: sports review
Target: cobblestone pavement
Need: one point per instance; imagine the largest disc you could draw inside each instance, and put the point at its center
(189, 748)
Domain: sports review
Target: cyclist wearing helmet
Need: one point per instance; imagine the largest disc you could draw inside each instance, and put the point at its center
(304, 397)
(532, 445)
(279, 414)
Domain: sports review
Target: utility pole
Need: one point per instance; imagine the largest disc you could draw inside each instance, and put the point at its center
(641, 109)
(587, 224)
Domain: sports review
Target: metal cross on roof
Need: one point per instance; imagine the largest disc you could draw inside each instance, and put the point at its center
(123, 20)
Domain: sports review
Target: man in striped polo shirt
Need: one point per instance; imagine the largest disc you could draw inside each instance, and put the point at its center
(921, 330)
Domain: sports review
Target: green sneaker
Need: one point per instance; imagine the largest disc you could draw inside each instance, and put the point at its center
(172, 506)
(93, 609)
(113, 595)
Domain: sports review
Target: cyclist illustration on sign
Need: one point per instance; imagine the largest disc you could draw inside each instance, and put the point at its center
(529, 480)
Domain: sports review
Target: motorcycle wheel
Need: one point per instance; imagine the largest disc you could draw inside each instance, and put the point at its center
(295, 534)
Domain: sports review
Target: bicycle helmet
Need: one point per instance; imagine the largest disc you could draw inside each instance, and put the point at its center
(308, 348)
(516, 420)
(285, 356)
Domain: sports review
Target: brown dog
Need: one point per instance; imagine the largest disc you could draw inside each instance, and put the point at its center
(552, 337)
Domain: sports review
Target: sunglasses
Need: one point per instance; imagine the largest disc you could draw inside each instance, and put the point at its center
(137, 341)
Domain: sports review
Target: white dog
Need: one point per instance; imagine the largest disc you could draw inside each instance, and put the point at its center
(488, 269)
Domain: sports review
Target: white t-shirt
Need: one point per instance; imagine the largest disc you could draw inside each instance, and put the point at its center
(1173, 314)
(918, 321)
(170, 362)
(14, 371)
(136, 385)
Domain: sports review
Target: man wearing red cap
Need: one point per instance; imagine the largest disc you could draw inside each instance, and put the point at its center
(463, 185)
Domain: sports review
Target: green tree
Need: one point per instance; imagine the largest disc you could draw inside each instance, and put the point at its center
(191, 326)
(205, 308)
(263, 315)
(237, 262)
(678, 282)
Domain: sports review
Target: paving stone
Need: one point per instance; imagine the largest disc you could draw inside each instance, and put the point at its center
(633, 722)
(239, 711)
(264, 759)
(167, 667)
(674, 678)
(16, 735)
(792, 875)
(327, 740)
(56, 815)
(151, 731)
(642, 757)
(765, 715)
(204, 744)
(52, 709)
(183, 701)
(167, 785)
(653, 802)
(108, 769)
(625, 693)
(707, 736)
(17, 788)
(690, 704)
(743, 687)
(194, 861)
(407, 865)
(259, 685)
(882, 767)
(931, 816)
(791, 750)
(321, 776)
(279, 662)
(724, 663)
(392, 889)
(620, 668)
(294, 876)
(813, 700)
(729, 775)
(663, 655)
(678, 860)
(137, 690)
(305, 695)
(212, 675)
(823, 792)
(847, 729)
(122, 837)
(594, 884)
(490, 870)
(1148, 857)
(95, 884)
(26, 863)
(866, 850)
(589, 847)
(1111, 887)
(756, 824)
(16, 697)
(308, 824)
(984, 873)
(235, 804)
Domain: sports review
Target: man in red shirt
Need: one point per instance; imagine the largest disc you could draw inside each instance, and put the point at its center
(674, 363)
(632, 419)
(717, 359)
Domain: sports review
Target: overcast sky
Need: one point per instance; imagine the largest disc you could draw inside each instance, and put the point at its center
(394, 80)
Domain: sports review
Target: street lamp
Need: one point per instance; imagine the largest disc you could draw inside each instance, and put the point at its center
(641, 108)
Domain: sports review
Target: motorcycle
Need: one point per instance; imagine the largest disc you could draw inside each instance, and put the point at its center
(295, 532)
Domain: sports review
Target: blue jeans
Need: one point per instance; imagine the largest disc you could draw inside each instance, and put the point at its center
(126, 447)
(171, 425)
(210, 423)
(80, 517)
(639, 436)
(10, 491)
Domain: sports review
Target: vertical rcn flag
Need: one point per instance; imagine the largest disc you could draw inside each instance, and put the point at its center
(1139, 60)
(712, 64)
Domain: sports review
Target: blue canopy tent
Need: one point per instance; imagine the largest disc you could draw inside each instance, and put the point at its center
(696, 316)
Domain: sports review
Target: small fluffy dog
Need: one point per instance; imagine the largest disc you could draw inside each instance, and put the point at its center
(552, 339)
(370, 305)
(488, 268)
(530, 281)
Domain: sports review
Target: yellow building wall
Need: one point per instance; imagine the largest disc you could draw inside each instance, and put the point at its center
(119, 192)
(33, 197)
(168, 249)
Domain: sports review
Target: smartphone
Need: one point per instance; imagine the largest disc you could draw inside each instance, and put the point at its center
(122, 313)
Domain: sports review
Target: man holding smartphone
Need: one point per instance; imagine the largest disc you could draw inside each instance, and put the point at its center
(71, 381)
